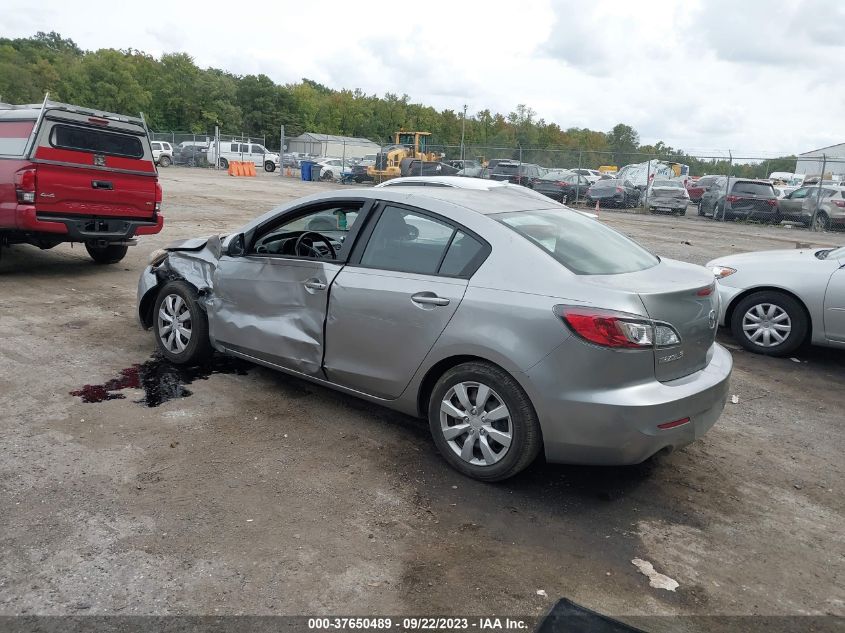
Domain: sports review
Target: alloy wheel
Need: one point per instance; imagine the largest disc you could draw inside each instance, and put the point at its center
(766, 324)
(174, 323)
(476, 423)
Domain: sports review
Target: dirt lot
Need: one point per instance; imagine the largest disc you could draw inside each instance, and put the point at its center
(261, 494)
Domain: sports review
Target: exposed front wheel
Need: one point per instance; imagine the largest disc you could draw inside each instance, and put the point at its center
(770, 323)
(224, 164)
(180, 324)
(327, 175)
(110, 254)
(164, 161)
(269, 166)
(483, 422)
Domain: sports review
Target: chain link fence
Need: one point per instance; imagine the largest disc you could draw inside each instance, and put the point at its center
(187, 149)
(810, 189)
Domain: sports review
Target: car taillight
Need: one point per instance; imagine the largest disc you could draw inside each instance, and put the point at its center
(560, 183)
(839, 203)
(618, 189)
(772, 202)
(732, 198)
(158, 197)
(25, 185)
(609, 328)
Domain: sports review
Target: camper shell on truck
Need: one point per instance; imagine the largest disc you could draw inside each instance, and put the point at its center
(72, 174)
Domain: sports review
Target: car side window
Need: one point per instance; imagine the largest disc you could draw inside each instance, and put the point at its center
(333, 223)
(155, 146)
(244, 149)
(462, 257)
(406, 241)
(257, 149)
(234, 147)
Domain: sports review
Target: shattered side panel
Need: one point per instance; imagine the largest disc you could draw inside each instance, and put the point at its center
(272, 308)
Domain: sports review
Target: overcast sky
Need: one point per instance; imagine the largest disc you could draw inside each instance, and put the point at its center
(760, 77)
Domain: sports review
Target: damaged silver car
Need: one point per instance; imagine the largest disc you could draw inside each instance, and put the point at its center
(515, 326)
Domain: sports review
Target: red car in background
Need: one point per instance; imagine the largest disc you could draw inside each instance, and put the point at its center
(697, 188)
(71, 174)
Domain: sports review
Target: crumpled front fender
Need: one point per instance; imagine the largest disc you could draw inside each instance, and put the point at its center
(195, 266)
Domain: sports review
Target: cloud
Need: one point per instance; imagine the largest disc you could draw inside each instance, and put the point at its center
(753, 75)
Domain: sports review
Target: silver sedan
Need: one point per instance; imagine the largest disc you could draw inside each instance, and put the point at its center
(514, 325)
(773, 301)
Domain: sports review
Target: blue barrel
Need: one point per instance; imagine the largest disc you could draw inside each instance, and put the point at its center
(305, 169)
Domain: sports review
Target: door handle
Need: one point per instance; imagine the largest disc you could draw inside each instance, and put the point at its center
(315, 285)
(429, 298)
(102, 184)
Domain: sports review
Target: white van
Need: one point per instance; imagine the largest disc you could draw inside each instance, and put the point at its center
(244, 152)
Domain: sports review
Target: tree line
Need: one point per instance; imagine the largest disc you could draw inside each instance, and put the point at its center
(176, 95)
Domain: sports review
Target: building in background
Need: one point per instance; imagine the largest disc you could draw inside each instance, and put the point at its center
(331, 145)
(810, 163)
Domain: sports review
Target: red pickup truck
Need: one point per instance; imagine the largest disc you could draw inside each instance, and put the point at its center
(71, 174)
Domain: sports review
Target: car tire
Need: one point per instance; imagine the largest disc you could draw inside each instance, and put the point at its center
(269, 166)
(821, 222)
(519, 426)
(327, 175)
(700, 210)
(224, 164)
(793, 326)
(190, 343)
(164, 161)
(110, 254)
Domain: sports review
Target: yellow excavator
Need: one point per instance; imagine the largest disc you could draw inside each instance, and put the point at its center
(395, 159)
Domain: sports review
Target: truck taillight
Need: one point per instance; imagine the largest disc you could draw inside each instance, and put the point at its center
(25, 185)
(158, 197)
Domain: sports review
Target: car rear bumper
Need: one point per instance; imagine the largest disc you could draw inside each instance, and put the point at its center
(619, 426)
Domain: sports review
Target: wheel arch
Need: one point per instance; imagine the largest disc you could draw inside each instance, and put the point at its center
(745, 293)
(147, 303)
(433, 374)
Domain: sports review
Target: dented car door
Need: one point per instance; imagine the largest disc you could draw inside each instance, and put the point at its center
(272, 308)
(269, 299)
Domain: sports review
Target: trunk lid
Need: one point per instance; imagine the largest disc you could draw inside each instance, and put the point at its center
(682, 295)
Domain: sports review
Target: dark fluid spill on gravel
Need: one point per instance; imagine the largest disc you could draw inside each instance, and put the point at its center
(160, 380)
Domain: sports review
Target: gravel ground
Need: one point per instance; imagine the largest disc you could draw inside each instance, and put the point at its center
(263, 494)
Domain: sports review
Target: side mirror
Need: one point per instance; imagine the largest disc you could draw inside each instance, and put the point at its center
(237, 246)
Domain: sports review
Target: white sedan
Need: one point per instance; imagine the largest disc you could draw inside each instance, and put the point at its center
(774, 301)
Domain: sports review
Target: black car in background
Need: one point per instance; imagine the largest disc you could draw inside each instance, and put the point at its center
(525, 174)
(562, 185)
(742, 198)
(614, 192)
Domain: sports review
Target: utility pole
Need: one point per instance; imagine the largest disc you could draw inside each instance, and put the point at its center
(463, 130)
(813, 226)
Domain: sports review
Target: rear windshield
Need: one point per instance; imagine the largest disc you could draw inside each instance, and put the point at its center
(85, 139)
(608, 182)
(506, 168)
(668, 183)
(584, 246)
(754, 188)
(705, 180)
(13, 137)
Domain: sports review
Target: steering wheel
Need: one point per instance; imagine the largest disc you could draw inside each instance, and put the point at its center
(313, 236)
